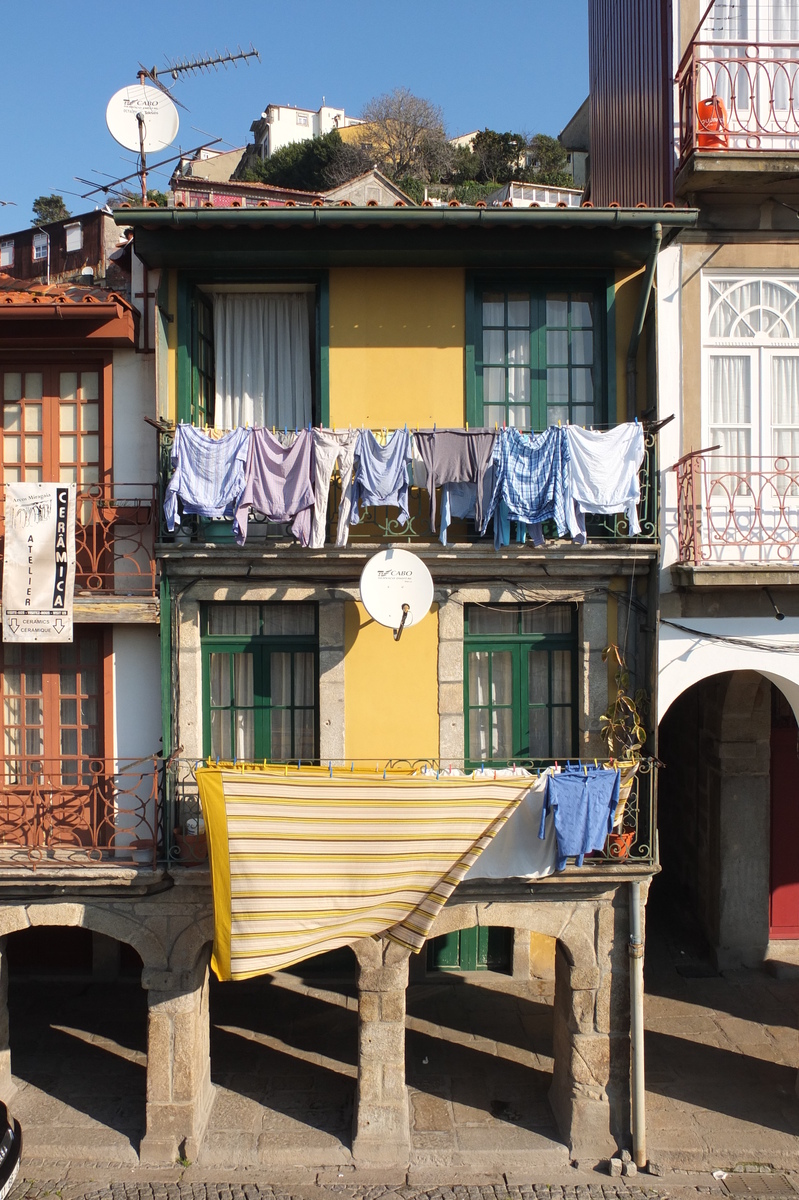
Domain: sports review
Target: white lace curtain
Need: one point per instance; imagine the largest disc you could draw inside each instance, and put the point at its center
(731, 405)
(262, 349)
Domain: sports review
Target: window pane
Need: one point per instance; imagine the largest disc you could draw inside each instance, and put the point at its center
(502, 733)
(561, 677)
(478, 733)
(538, 676)
(234, 619)
(493, 308)
(557, 308)
(582, 346)
(33, 418)
(280, 668)
(493, 346)
(245, 734)
(90, 385)
(304, 733)
(88, 711)
(493, 620)
(561, 733)
(518, 309)
(220, 735)
(558, 385)
(501, 677)
(493, 414)
(69, 741)
(12, 386)
(519, 416)
(288, 620)
(281, 734)
(557, 346)
(478, 677)
(730, 389)
(33, 385)
(518, 346)
(219, 670)
(518, 385)
(539, 733)
(69, 385)
(304, 679)
(12, 417)
(69, 712)
(243, 688)
(550, 618)
(493, 385)
(582, 310)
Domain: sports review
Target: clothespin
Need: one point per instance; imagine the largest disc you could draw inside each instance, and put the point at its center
(273, 431)
(217, 760)
(286, 770)
(636, 420)
(558, 422)
(309, 426)
(596, 764)
(352, 766)
(330, 768)
(434, 427)
(467, 426)
(285, 431)
(384, 772)
(496, 427)
(585, 769)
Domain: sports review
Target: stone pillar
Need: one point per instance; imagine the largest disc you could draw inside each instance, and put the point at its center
(7, 1087)
(590, 1085)
(331, 682)
(450, 682)
(594, 672)
(179, 1089)
(381, 1134)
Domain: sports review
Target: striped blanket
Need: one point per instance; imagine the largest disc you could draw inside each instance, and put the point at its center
(304, 862)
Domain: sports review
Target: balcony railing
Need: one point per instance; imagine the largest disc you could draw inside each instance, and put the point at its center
(737, 509)
(381, 524)
(633, 840)
(80, 812)
(114, 539)
(739, 96)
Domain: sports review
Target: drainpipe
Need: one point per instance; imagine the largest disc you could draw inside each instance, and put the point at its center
(637, 1080)
(640, 318)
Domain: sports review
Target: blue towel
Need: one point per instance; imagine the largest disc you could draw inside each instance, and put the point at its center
(582, 802)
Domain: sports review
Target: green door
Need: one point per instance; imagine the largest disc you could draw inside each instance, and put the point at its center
(479, 948)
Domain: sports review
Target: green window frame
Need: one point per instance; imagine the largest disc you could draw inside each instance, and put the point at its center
(260, 669)
(538, 352)
(520, 683)
(196, 381)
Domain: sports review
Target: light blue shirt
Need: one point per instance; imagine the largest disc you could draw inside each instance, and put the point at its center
(208, 474)
(381, 474)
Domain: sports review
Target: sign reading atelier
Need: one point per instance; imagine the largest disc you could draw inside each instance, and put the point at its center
(38, 562)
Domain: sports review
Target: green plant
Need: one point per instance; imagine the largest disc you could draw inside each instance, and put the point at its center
(623, 720)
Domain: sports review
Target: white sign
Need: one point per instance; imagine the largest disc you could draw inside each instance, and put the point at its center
(38, 562)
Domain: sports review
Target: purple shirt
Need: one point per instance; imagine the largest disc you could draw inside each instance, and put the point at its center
(279, 484)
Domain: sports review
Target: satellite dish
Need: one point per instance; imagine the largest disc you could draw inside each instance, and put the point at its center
(396, 589)
(159, 118)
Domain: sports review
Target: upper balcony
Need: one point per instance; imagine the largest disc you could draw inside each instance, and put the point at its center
(115, 531)
(737, 512)
(739, 116)
(213, 541)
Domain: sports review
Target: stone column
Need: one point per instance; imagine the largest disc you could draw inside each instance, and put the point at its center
(331, 682)
(593, 638)
(590, 1086)
(450, 682)
(381, 1134)
(7, 1087)
(179, 1089)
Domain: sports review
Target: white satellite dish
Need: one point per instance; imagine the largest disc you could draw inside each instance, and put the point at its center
(138, 111)
(396, 589)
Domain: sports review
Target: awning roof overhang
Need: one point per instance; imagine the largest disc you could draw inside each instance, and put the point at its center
(224, 240)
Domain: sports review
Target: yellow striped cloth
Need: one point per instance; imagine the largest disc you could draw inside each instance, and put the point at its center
(305, 862)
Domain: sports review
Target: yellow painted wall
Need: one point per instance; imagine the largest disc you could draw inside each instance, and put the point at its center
(628, 285)
(397, 347)
(390, 688)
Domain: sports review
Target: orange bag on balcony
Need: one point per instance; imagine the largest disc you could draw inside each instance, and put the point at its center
(711, 122)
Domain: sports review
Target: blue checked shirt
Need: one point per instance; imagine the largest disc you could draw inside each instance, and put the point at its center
(531, 482)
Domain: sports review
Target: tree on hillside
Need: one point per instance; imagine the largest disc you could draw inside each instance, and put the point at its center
(547, 162)
(49, 208)
(301, 165)
(496, 156)
(349, 160)
(407, 134)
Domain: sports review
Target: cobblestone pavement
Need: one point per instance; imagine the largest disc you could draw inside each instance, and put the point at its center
(678, 1186)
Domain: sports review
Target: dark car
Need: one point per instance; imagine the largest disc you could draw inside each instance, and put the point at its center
(10, 1150)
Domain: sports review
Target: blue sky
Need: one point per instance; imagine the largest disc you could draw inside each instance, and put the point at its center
(504, 64)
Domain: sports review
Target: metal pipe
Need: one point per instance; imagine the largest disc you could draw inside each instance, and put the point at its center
(637, 1076)
(640, 318)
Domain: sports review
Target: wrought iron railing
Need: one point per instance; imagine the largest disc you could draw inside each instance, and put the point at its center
(382, 524)
(80, 812)
(737, 509)
(633, 839)
(114, 538)
(739, 96)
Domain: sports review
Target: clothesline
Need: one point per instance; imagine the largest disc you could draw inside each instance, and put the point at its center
(559, 475)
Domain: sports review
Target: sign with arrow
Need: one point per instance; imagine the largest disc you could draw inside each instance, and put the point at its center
(38, 562)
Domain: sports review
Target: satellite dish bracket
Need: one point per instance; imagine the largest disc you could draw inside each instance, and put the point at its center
(406, 608)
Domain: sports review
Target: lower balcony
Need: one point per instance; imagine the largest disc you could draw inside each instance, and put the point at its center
(738, 511)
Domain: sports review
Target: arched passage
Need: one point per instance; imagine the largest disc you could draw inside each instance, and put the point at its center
(728, 795)
(77, 1042)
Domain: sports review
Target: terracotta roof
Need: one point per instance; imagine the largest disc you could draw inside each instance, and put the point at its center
(15, 293)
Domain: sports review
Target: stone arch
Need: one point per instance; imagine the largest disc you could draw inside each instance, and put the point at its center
(573, 930)
(100, 920)
(191, 944)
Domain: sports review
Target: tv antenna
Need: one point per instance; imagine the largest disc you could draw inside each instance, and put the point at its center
(145, 118)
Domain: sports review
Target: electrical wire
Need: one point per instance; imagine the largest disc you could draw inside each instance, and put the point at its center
(784, 647)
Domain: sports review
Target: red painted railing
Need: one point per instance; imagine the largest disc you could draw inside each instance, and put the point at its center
(114, 538)
(737, 510)
(739, 96)
(79, 812)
